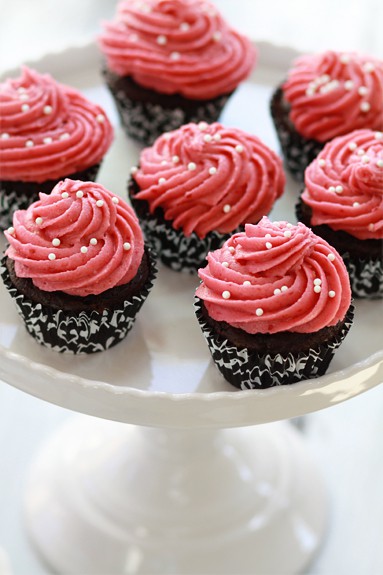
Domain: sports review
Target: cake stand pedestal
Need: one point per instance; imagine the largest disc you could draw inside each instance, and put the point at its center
(105, 498)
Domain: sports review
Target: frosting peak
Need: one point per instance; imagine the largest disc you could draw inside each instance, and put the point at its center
(275, 277)
(80, 239)
(177, 46)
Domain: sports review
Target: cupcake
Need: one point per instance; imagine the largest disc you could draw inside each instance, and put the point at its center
(171, 62)
(77, 267)
(197, 185)
(325, 96)
(343, 203)
(48, 132)
(274, 305)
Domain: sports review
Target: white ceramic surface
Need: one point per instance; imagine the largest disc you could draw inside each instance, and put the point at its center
(110, 499)
(162, 373)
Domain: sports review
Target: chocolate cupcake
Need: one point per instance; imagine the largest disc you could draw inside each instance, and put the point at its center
(171, 62)
(274, 305)
(343, 203)
(325, 96)
(48, 132)
(77, 268)
(197, 185)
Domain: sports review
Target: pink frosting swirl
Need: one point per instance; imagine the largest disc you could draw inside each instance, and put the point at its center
(209, 177)
(334, 93)
(344, 185)
(80, 239)
(48, 130)
(275, 277)
(177, 46)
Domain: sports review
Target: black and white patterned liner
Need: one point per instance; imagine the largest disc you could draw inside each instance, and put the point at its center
(146, 121)
(298, 151)
(12, 199)
(366, 276)
(82, 332)
(246, 369)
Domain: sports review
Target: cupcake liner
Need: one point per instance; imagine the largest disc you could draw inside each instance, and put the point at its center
(18, 195)
(298, 151)
(178, 252)
(366, 273)
(247, 369)
(81, 332)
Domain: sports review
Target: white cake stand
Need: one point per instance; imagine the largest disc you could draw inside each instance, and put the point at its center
(188, 489)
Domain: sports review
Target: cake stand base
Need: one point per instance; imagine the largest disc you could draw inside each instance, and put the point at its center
(105, 498)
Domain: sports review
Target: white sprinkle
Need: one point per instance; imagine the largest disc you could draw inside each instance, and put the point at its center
(317, 282)
(184, 26)
(226, 294)
(339, 189)
(348, 85)
(217, 36)
(161, 40)
(231, 249)
(212, 171)
(324, 78)
(126, 246)
(202, 126)
(217, 137)
(369, 67)
(207, 138)
(378, 135)
(100, 203)
(379, 163)
(247, 283)
(352, 146)
(64, 136)
(56, 242)
(355, 204)
(21, 90)
(11, 230)
(259, 311)
(79, 194)
(284, 288)
(268, 236)
(47, 110)
(269, 245)
(100, 118)
(24, 97)
(39, 221)
(192, 166)
(362, 90)
(115, 200)
(29, 144)
(83, 249)
(4, 136)
(175, 159)
(25, 107)
(166, 136)
(51, 256)
(321, 162)
(287, 234)
(345, 58)
(133, 169)
(289, 225)
(365, 159)
(331, 189)
(161, 181)
(361, 152)
(226, 208)
(175, 56)
(310, 91)
(93, 241)
(164, 162)
(371, 227)
(331, 293)
(331, 257)
(239, 148)
(317, 289)
(225, 264)
(65, 195)
(365, 106)
(47, 140)
(277, 291)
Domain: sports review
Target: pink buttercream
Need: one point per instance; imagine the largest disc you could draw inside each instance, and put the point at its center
(76, 215)
(284, 264)
(334, 93)
(209, 177)
(177, 46)
(48, 130)
(344, 185)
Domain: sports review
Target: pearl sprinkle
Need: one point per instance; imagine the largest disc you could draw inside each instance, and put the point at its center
(226, 294)
(56, 242)
(127, 246)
